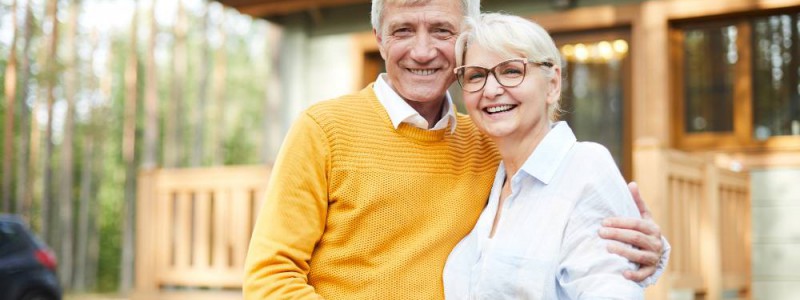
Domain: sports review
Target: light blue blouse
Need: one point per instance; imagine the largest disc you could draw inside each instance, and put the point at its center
(546, 245)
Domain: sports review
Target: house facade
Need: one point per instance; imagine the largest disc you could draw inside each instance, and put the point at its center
(713, 77)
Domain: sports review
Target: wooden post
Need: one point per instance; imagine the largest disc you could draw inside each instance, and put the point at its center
(648, 169)
(710, 234)
(146, 230)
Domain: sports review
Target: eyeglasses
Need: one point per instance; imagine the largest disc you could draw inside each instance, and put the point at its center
(509, 73)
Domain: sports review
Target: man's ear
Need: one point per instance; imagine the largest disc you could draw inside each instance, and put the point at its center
(379, 40)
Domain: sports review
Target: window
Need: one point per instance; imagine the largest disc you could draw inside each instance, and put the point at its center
(737, 83)
(594, 92)
(776, 64)
(11, 239)
(710, 57)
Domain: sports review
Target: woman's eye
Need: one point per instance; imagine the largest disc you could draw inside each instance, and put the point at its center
(474, 76)
(511, 71)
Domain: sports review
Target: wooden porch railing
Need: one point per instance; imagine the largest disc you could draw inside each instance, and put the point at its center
(193, 228)
(704, 211)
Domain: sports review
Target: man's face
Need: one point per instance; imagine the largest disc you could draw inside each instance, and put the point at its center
(417, 42)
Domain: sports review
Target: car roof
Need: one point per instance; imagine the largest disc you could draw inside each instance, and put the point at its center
(11, 218)
(15, 221)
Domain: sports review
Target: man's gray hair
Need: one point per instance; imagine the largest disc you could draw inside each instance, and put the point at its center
(468, 8)
(510, 36)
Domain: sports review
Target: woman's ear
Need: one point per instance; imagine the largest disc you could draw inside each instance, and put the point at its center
(554, 86)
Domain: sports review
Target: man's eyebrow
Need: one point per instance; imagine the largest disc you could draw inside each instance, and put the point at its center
(392, 26)
(445, 24)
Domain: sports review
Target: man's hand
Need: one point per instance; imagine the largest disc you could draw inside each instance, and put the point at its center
(643, 234)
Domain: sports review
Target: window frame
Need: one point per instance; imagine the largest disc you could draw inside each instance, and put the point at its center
(741, 138)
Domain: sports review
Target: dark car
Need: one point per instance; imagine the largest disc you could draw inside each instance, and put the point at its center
(27, 266)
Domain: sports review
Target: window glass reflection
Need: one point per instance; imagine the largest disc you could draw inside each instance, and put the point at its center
(776, 89)
(710, 54)
(593, 93)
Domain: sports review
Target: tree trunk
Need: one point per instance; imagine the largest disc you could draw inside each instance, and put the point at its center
(94, 213)
(199, 112)
(149, 159)
(65, 193)
(273, 120)
(84, 199)
(23, 191)
(47, 159)
(85, 203)
(220, 74)
(11, 95)
(128, 155)
(173, 151)
(93, 251)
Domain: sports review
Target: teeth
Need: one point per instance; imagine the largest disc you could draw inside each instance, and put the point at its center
(501, 108)
(423, 72)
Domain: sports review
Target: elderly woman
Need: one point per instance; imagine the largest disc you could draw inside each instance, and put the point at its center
(537, 237)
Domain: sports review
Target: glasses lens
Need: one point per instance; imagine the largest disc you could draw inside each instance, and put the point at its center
(473, 78)
(510, 73)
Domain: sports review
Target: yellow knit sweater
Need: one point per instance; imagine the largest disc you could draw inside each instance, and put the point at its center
(358, 210)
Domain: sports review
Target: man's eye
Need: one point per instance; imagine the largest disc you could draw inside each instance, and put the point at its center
(443, 32)
(402, 32)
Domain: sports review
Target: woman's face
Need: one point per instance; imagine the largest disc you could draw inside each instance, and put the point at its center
(516, 112)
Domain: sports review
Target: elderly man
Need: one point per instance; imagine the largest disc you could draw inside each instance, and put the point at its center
(372, 190)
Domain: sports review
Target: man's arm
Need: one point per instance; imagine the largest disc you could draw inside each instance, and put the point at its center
(292, 218)
(650, 251)
(586, 269)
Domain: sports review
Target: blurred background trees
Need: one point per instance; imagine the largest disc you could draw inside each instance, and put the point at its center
(94, 91)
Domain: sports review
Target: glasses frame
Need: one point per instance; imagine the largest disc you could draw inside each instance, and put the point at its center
(459, 72)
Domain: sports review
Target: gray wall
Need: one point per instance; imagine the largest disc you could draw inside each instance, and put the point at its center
(776, 233)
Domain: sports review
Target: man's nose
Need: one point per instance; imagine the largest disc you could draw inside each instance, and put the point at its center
(423, 49)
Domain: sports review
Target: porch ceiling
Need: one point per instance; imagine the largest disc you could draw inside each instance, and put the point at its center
(274, 8)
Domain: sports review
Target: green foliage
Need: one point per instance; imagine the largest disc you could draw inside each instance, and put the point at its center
(109, 221)
(111, 193)
(244, 92)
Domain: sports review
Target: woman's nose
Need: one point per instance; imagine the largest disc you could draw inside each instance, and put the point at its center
(492, 88)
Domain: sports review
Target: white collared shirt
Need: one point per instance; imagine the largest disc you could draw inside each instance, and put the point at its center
(400, 112)
(546, 245)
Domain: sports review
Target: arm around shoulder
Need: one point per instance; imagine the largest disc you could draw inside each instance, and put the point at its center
(292, 217)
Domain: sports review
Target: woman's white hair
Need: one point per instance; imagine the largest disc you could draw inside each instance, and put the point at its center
(511, 36)
(468, 8)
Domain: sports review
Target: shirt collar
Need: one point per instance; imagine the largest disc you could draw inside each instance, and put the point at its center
(550, 153)
(400, 112)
